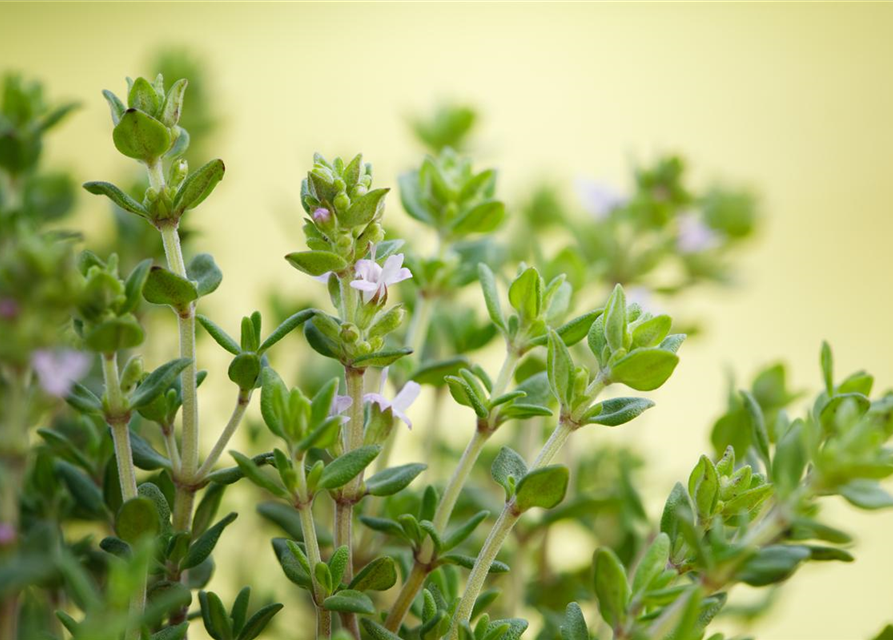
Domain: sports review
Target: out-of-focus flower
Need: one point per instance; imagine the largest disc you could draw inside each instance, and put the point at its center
(373, 280)
(7, 534)
(641, 296)
(401, 402)
(340, 404)
(694, 234)
(57, 371)
(9, 308)
(598, 199)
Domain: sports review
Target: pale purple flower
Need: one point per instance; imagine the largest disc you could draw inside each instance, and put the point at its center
(57, 371)
(694, 234)
(373, 280)
(598, 199)
(9, 308)
(321, 215)
(340, 404)
(7, 534)
(401, 402)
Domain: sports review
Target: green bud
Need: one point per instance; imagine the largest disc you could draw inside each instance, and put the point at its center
(349, 333)
(132, 373)
(387, 322)
(341, 202)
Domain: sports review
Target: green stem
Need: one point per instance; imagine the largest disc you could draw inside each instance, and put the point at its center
(451, 493)
(352, 438)
(478, 575)
(186, 322)
(304, 505)
(234, 420)
(118, 418)
(501, 529)
(418, 326)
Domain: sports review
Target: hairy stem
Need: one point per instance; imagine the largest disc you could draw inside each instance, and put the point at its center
(304, 506)
(352, 438)
(118, 419)
(507, 519)
(451, 493)
(234, 420)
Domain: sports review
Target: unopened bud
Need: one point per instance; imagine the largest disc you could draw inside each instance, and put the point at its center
(349, 333)
(342, 202)
(322, 216)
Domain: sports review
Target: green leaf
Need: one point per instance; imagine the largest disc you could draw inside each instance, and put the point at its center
(390, 481)
(491, 295)
(669, 520)
(143, 96)
(346, 467)
(508, 469)
(364, 209)
(651, 333)
(561, 370)
(652, 564)
(526, 295)
(461, 533)
(703, 486)
(466, 395)
(615, 320)
(141, 137)
(378, 575)
(758, 427)
(145, 456)
(258, 477)
(115, 334)
(207, 508)
(482, 218)
(381, 358)
(258, 622)
(116, 195)
(205, 273)
(316, 263)
(137, 518)
(617, 411)
(220, 336)
(611, 587)
(133, 287)
(468, 562)
(772, 564)
(384, 525)
(291, 563)
(287, 326)
(115, 105)
(350, 601)
(827, 362)
(177, 632)
(173, 103)
(158, 382)
(86, 494)
(866, 494)
(198, 186)
(573, 331)
(244, 370)
(376, 631)
(574, 625)
(166, 287)
(84, 400)
(204, 545)
(544, 487)
(214, 616)
(645, 369)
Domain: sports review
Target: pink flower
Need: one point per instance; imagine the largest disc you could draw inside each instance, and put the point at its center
(694, 235)
(598, 199)
(57, 371)
(321, 215)
(401, 402)
(373, 280)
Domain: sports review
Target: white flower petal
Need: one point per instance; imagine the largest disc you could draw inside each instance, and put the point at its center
(407, 395)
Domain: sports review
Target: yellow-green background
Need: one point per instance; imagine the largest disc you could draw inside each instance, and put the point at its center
(793, 99)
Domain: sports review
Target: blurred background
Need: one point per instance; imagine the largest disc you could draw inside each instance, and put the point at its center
(792, 101)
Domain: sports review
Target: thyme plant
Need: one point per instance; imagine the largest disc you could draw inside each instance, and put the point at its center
(382, 550)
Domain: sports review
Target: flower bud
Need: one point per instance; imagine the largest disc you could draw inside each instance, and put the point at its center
(179, 171)
(349, 333)
(339, 185)
(342, 202)
(387, 321)
(363, 348)
(358, 191)
(321, 216)
(132, 373)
